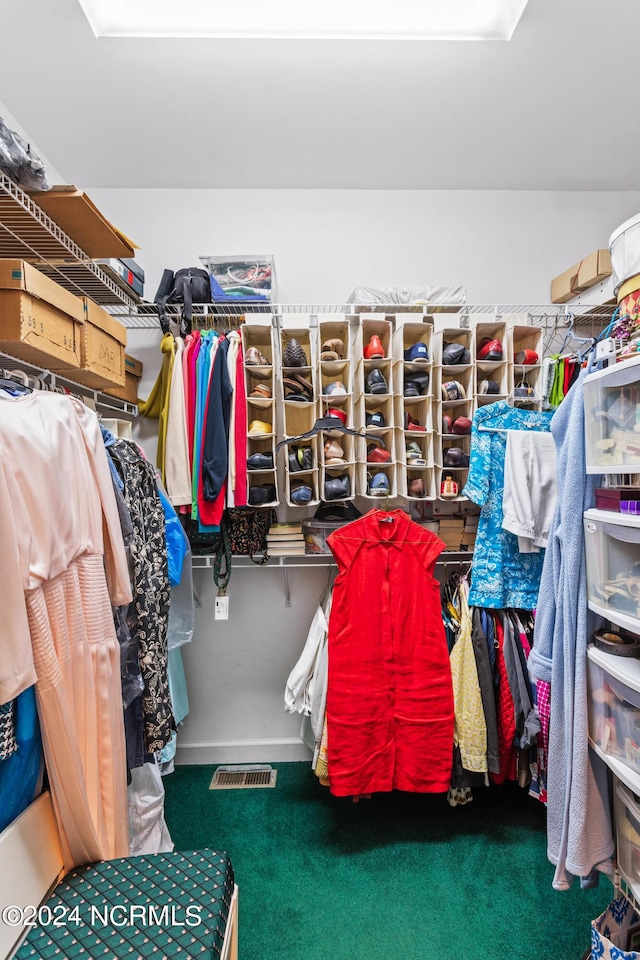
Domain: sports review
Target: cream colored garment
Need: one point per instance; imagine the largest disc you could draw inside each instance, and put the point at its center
(60, 528)
(177, 469)
(470, 731)
(530, 488)
(232, 361)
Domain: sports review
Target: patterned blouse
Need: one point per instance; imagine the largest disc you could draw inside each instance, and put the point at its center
(501, 576)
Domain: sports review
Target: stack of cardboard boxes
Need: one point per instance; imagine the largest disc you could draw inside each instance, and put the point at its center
(46, 325)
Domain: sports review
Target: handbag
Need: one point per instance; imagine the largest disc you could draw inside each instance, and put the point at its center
(184, 287)
(247, 529)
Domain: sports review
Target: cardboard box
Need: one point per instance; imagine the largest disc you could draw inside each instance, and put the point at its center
(593, 269)
(102, 342)
(81, 220)
(563, 286)
(40, 321)
(132, 374)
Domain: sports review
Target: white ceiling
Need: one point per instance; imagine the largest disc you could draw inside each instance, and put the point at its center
(554, 109)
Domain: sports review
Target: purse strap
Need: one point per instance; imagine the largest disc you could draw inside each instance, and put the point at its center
(222, 573)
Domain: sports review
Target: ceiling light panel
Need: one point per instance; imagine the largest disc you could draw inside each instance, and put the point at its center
(303, 20)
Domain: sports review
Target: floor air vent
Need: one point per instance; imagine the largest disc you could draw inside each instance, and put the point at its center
(244, 777)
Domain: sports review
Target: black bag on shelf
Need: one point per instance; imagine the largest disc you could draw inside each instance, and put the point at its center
(186, 287)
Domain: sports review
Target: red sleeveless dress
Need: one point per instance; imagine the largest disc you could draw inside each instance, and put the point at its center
(389, 696)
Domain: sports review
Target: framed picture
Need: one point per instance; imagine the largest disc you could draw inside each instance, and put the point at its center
(633, 937)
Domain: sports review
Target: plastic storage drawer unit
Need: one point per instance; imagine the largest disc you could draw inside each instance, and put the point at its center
(627, 820)
(612, 545)
(612, 418)
(614, 709)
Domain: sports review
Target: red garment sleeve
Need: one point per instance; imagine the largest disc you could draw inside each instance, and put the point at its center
(240, 438)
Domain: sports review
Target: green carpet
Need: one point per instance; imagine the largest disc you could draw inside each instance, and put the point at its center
(399, 877)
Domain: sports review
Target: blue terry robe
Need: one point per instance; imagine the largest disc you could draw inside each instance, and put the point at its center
(579, 837)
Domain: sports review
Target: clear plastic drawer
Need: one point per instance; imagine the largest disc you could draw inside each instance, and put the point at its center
(612, 418)
(627, 820)
(612, 545)
(614, 716)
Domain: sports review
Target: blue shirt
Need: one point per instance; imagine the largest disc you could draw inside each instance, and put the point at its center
(501, 576)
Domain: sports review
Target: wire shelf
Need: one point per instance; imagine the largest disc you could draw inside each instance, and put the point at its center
(27, 233)
(144, 316)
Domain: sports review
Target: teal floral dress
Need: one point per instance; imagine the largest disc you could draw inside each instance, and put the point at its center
(501, 576)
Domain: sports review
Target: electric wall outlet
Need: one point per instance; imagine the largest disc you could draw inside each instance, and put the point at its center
(221, 609)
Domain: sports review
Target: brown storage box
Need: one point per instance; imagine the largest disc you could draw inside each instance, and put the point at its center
(103, 341)
(563, 287)
(132, 374)
(81, 220)
(40, 321)
(593, 269)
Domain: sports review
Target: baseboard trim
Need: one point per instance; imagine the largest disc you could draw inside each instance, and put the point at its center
(242, 751)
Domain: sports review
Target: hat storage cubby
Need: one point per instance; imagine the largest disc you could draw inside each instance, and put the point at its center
(309, 476)
(446, 338)
(443, 475)
(519, 340)
(370, 471)
(257, 344)
(496, 370)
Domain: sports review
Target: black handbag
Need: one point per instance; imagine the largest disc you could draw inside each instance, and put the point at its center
(247, 529)
(186, 287)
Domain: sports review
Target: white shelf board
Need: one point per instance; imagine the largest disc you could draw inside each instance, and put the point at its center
(612, 516)
(625, 669)
(629, 777)
(621, 619)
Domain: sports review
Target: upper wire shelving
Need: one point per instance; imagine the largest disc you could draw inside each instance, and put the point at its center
(27, 233)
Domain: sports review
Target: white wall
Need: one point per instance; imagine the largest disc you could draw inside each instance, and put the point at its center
(504, 247)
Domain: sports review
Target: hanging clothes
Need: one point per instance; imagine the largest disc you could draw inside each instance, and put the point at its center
(156, 406)
(501, 576)
(389, 698)
(470, 727)
(530, 488)
(578, 815)
(60, 532)
(151, 589)
(177, 467)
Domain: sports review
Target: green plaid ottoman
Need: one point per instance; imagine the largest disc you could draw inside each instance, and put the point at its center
(167, 905)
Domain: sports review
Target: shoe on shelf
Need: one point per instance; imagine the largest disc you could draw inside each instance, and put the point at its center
(411, 424)
(524, 358)
(455, 457)
(265, 493)
(377, 454)
(261, 392)
(447, 423)
(455, 354)
(335, 389)
(374, 349)
(378, 485)
(524, 390)
(490, 349)
(415, 487)
(338, 414)
(332, 349)
(260, 461)
(337, 488)
(375, 419)
(415, 384)
(333, 450)
(415, 456)
(461, 426)
(259, 428)
(305, 385)
(300, 492)
(453, 390)
(253, 358)
(291, 387)
(376, 382)
(294, 355)
(488, 387)
(417, 353)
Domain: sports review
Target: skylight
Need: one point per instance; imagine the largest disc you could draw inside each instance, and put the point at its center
(302, 20)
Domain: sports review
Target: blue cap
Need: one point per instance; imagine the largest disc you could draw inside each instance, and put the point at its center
(418, 353)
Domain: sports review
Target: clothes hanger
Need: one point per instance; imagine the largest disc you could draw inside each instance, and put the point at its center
(18, 386)
(327, 423)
